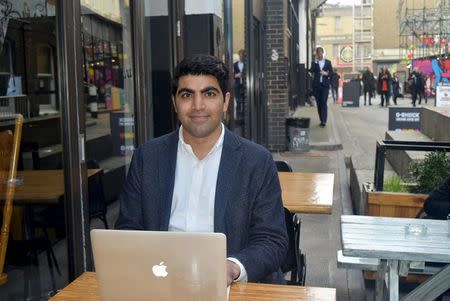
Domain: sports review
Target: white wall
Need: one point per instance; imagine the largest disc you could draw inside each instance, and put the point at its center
(199, 7)
(155, 8)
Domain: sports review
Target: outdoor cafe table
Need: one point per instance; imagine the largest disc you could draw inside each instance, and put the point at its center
(304, 192)
(41, 187)
(85, 288)
(387, 239)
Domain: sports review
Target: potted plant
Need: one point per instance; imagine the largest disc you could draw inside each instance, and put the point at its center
(429, 173)
(406, 199)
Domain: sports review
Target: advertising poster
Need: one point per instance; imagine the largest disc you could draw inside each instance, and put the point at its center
(404, 118)
(443, 96)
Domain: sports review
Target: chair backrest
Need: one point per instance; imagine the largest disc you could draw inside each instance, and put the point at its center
(283, 166)
(9, 154)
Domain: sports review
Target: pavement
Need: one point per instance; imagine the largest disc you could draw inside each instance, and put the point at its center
(350, 136)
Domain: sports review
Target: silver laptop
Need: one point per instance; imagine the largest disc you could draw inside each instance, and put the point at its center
(150, 265)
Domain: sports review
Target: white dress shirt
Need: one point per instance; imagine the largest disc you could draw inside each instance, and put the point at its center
(195, 190)
(321, 64)
(241, 66)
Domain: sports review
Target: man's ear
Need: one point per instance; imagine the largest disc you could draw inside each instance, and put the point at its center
(226, 101)
(174, 104)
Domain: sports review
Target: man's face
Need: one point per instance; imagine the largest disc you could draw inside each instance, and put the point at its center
(242, 56)
(200, 103)
(319, 54)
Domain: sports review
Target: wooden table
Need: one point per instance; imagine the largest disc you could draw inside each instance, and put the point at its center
(387, 239)
(304, 192)
(34, 188)
(44, 187)
(85, 288)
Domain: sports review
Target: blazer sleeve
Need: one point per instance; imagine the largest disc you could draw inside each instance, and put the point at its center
(330, 70)
(130, 216)
(267, 239)
(437, 205)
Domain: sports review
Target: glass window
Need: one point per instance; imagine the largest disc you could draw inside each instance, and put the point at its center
(337, 22)
(108, 103)
(36, 261)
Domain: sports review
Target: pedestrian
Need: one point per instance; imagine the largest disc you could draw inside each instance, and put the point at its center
(204, 178)
(322, 72)
(395, 87)
(421, 88)
(368, 85)
(383, 86)
(335, 85)
(414, 83)
(239, 85)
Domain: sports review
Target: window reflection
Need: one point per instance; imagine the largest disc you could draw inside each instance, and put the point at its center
(108, 90)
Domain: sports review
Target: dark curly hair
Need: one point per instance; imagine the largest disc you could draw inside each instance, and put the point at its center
(202, 64)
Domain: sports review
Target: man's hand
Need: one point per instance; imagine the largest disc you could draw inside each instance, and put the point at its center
(233, 272)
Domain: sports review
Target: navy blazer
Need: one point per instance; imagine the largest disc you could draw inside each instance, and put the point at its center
(248, 207)
(315, 70)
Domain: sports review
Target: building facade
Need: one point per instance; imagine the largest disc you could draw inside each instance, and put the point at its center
(92, 78)
(345, 32)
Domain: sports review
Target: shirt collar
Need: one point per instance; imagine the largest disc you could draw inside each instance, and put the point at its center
(217, 146)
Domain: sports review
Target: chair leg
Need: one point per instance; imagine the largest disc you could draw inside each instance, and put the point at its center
(294, 276)
(50, 268)
(302, 270)
(52, 254)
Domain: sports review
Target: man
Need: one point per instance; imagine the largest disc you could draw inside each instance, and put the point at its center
(414, 82)
(239, 84)
(395, 87)
(204, 178)
(369, 86)
(335, 86)
(322, 71)
(421, 87)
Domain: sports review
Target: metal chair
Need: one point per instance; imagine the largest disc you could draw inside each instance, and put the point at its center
(283, 166)
(295, 261)
(9, 154)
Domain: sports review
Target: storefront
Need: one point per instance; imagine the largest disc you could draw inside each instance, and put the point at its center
(74, 70)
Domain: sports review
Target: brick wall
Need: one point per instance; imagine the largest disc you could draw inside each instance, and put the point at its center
(276, 73)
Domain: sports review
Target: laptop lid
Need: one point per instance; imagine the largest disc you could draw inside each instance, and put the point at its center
(152, 265)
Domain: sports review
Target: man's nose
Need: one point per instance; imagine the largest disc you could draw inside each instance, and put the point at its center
(198, 103)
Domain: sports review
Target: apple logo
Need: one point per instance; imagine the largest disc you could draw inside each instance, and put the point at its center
(160, 270)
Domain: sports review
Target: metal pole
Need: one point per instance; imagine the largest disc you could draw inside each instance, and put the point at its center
(379, 167)
(228, 32)
(353, 37)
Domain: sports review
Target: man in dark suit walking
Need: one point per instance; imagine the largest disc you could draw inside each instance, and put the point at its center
(239, 84)
(322, 71)
(204, 178)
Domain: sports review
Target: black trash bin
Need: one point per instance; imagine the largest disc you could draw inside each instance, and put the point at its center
(297, 130)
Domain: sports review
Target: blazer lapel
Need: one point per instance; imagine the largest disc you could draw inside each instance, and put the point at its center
(226, 179)
(167, 165)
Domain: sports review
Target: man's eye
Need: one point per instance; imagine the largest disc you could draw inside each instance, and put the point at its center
(210, 94)
(185, 95)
